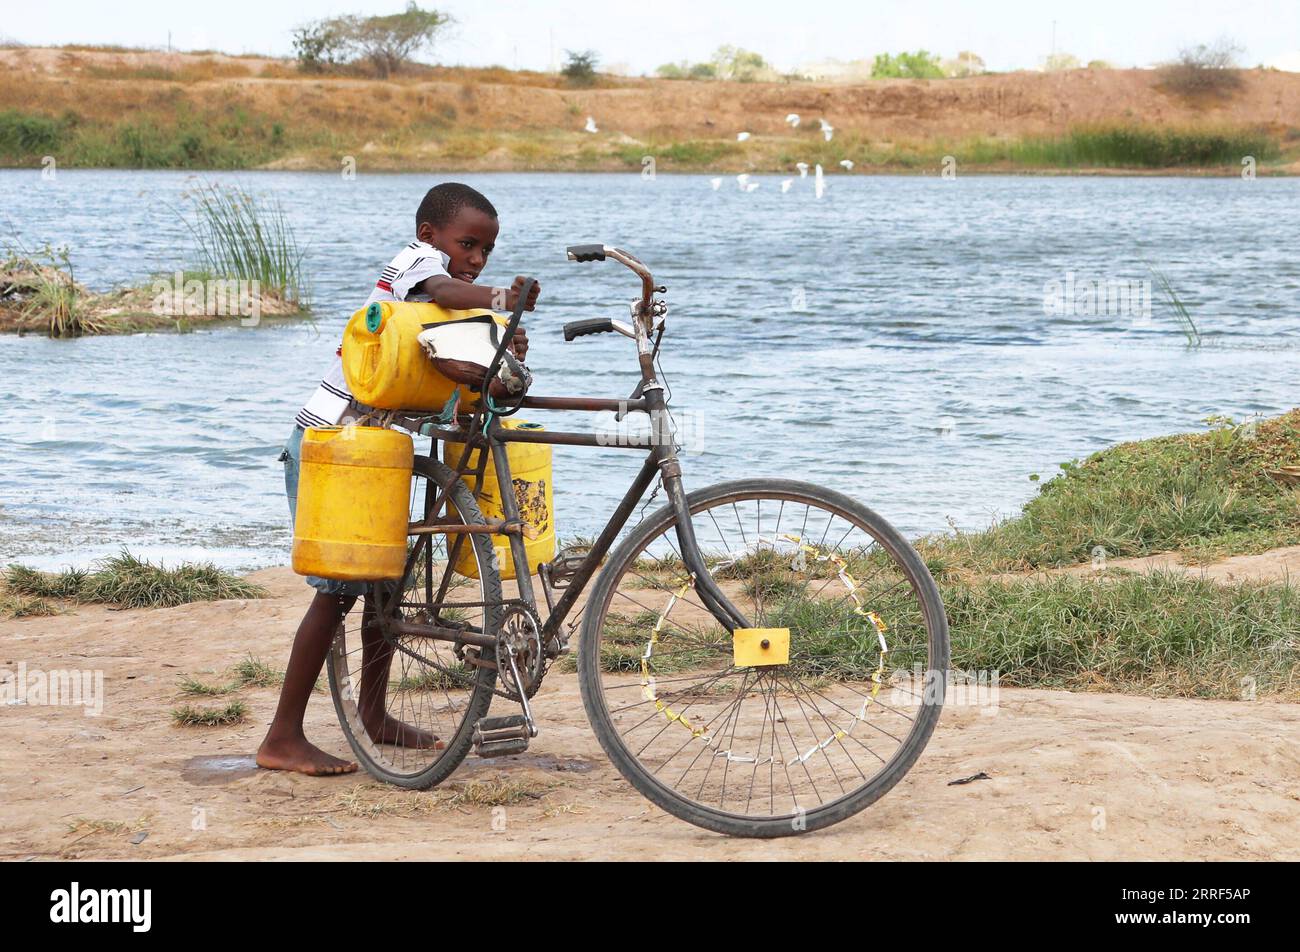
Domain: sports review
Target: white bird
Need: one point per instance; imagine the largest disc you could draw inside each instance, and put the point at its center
(785, 184)
(751, 186)
(819, 189)
(793, 119)
(803, 169)
(848, 164)
(744, 184)
(828, 130)
(591, 125)
(716, 183)
(742, 136)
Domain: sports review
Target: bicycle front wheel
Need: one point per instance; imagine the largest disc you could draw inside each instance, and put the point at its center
(774, 745)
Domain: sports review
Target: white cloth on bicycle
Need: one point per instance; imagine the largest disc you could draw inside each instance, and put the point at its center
(473, 339)
(333, 403)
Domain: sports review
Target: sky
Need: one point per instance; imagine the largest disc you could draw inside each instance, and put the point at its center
(638, 35)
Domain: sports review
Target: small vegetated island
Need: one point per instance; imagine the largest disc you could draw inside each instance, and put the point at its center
(248, 267)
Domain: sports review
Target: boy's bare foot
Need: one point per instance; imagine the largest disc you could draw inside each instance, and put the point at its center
(404, 735)
(303, 757)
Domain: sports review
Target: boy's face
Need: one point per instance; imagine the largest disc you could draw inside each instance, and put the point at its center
(467, 239)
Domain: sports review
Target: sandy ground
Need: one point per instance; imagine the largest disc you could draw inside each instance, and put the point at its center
(1277, 565)
(1071, 776)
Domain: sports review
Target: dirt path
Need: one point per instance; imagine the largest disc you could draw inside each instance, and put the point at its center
(1073, 776)
(1277, 565)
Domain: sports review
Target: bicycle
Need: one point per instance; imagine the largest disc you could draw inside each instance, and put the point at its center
(766, 706)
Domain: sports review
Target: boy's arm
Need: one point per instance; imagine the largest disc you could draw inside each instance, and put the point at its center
(457, 295)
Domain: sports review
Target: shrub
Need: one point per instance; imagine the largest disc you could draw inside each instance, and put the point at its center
(580, 67)
(23, 136)
(1204, 70)
(919, 65)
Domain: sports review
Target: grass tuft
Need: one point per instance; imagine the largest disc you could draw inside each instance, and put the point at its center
(23, 606)
(253, 673)
(190, 716)
(129, 582)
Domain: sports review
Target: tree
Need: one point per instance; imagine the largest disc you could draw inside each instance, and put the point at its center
(387, 42)
(919, 65)
(741, 65)
(580, 68)
(390, 41)
(318, 46)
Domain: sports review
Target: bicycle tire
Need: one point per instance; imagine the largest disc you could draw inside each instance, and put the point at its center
(730, 822)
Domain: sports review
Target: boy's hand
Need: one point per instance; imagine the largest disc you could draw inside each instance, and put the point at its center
(512, 296)
(519, 344)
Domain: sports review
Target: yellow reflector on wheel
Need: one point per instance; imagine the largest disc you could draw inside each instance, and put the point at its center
(756, 647)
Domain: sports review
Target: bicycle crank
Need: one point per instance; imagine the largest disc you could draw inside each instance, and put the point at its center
(521, 663)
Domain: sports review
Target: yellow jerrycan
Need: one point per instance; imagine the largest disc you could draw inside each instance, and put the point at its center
(530, 470)
(384, 364)
(353, 503)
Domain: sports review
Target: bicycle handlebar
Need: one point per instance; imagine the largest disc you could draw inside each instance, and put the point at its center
(599, 252)
(596, 325)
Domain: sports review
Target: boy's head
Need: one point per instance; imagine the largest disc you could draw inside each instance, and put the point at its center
(461, 223)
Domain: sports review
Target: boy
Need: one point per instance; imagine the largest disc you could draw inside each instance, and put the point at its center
(455, 230)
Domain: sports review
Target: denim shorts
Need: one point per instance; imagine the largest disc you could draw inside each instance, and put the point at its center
(292, 459)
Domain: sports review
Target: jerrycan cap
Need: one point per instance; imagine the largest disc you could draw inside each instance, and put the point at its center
(374, 317)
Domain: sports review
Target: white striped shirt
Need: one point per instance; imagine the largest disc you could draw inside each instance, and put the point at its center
(332, 402)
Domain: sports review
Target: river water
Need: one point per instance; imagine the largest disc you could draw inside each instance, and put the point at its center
(891, 339)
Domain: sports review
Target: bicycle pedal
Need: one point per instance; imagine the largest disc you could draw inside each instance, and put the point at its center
(499, 736)
(564, 566)
(487, 725)
(502, 748)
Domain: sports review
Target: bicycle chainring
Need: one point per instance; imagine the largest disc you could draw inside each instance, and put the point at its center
(520, 639)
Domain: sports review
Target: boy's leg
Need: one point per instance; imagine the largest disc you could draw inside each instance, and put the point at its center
(376, 659)
(286, 746)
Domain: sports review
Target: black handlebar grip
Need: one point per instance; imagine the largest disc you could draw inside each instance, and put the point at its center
(586, 252)
(596, 325)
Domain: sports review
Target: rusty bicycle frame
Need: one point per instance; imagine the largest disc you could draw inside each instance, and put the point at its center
(482, 429)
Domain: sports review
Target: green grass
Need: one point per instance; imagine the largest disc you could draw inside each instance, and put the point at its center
(190, 716)
(49, 296)
(1162, 634)
(1204, 494)
(129, 582)
(1125, 147)
(254, 673)
(230, 138)
(1175, 304)
(29, 137)
(246, 239)
(197, 688)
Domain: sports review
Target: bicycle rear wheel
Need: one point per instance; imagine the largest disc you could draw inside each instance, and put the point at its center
(383, 678)
(758, 749)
